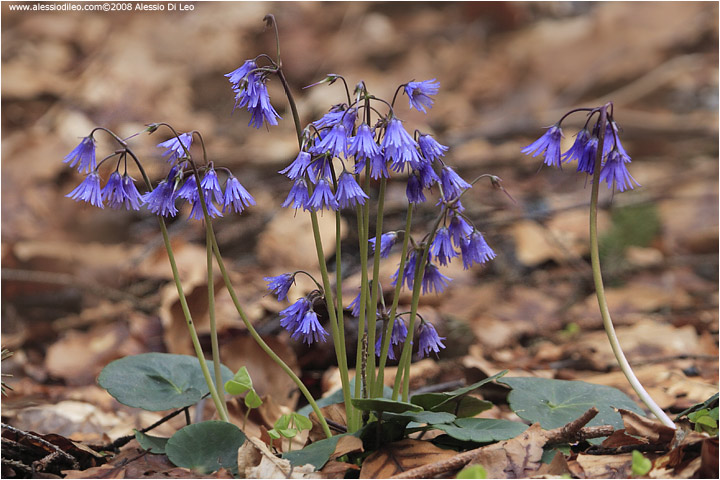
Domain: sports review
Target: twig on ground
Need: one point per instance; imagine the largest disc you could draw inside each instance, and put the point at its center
(44, 442)
(122, 441)
(573, 431)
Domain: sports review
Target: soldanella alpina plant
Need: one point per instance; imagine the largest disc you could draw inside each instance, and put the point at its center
(344, 163)
(354, 150)
(599, 154)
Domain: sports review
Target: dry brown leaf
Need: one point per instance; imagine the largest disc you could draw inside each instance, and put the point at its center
(335, 469)
(644, 427)
(606, 466)
(271, 466)
(287, 240)
(518, 457)
(347, 444)
(268, 377)
(620, 438)
(398, 457)
(78, 357)
(334, 413)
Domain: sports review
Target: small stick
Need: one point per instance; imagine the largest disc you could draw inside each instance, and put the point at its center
(42, 441)
(122, 441)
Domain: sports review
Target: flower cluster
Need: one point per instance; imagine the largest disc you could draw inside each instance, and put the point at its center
(614, 158)
(180, 183)
(343, 145)
(248, 83)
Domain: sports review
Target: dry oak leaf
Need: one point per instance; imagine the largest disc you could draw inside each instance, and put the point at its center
(518, 457)
(255, 460)
(398, 457)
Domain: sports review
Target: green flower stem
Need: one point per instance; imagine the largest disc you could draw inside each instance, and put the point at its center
(258, 339)
(406, 355)
(372, 318)
(339, 348)
(219, 403)
(380, 382)
(219, 406)
(600, 289)
(363, 218)
(219, 385)
(330, 303)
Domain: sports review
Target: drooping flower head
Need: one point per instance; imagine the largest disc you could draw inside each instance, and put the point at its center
(387, 240)
(615, 172)
(309, 329)
(414, 189)
(176, 147)
(161, 200)
(211, 186)
(112, 192)
(236, 196)
(428, 340)
(549, 145)
(255, 97)
(298, 196)
(298, 167)
(433, 280)
(291, 317)
(577, 150)
(431, 149)
(133, 199)
(475, 249)
(349, 192)
(89, 191)
(237, 75)
(441, 246)
(322, 197)
(334, 143)
(280, 285)
(452, 184)
(83, 156)
(399, 147)
(419, 93)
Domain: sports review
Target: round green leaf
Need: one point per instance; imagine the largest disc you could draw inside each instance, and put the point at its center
(482, 430)
(157, 381)
(384, 405)
(206, 447)
(554, 403)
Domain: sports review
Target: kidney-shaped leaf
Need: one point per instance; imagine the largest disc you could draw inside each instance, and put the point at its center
(482, 430)
(157, 381)
(456, 402)
(554, 403)
(206, 446)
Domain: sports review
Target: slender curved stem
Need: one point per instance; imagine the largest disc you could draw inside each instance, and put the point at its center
(219, 385)
(219, 406)
(372, 318)
(327, 286)
(379, 383)
(258, 339)
(600, 289)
